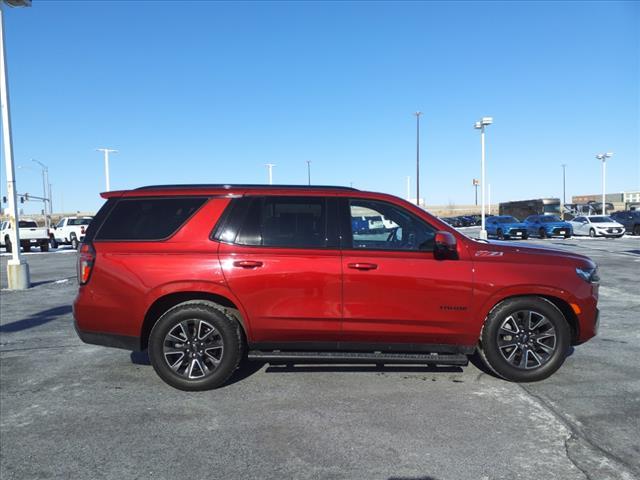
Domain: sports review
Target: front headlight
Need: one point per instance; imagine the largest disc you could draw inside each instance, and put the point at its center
(588, 274)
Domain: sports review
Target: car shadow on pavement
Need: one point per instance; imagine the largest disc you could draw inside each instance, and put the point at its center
(36, 319)
(412, 478)
(479, 364)
(246, 369)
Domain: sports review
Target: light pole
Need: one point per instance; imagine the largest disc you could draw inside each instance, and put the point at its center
(564, 183)
(309, 172)
(106, 151)
(603, 157)
(484, 121)
(17, 267)
(475, 185)
(418, 114)
(45, 195)
(270, 168)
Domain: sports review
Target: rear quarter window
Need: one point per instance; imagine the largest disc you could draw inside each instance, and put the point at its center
(147, 218)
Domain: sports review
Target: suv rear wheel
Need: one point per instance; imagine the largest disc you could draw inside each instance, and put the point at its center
(74, 241)
(525, 339)
(195, 346)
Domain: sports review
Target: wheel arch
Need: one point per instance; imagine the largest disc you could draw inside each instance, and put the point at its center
(560, 303)
(170, 300)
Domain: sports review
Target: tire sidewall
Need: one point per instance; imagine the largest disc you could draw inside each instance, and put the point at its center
(489, 339)
(228, 329)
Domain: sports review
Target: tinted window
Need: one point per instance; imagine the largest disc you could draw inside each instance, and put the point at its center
(507, 220)
(79, 221)
(549, 219)
(600, 220)
(381, 226)
(27, 224)
(296, 222)
(579, 219)
(147, 218)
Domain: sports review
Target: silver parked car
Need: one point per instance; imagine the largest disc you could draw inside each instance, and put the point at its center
(597, 226)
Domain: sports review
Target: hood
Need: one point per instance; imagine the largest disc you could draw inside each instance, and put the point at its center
(607, 225)
(512, 225)
(513, 252)
(556, 224)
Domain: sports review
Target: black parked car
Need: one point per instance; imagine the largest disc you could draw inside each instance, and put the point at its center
(630, 219)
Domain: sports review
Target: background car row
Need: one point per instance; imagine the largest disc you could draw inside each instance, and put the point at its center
(68, 231)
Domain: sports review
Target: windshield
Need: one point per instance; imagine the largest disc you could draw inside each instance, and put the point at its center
(508, 220)
(549, 219)
(79, 221)
(601, 219)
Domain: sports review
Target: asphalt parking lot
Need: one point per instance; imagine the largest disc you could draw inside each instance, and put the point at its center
(70, 410)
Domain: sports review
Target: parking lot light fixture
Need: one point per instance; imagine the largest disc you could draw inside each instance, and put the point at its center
(106, 151)
(17, 267)
(480, 125)
(603, 157)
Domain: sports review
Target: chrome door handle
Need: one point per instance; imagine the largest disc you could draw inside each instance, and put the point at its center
(247, 264)
(363, 266)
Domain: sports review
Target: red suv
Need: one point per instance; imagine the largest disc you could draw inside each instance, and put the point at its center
(205, 276)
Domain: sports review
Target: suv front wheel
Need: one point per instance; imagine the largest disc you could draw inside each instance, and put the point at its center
(525, 339)
(195, 346)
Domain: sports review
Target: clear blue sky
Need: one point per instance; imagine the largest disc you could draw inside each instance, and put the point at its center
(210, 92)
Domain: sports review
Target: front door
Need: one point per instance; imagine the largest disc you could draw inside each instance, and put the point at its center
(395, 291)
(280, 257)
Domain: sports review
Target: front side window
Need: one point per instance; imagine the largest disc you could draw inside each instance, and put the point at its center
(292, 222)
(382, 226)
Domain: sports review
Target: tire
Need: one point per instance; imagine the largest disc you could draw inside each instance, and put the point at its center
(222, 346)
(516, 363)
(44, 246)
(525, 236)
(542, 233)
(636, 230)
(26, 247)
(74, 241)
(52, 242)
(567, 236)
(500, 234)
(7, 245)
(592, 233)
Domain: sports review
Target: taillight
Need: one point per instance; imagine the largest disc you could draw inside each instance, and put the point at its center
(86, 259)
(82, 230)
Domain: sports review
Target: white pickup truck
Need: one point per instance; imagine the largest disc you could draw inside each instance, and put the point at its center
(69, 231)
(30, 236)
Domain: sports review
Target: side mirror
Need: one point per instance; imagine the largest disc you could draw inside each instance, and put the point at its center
(445, 246)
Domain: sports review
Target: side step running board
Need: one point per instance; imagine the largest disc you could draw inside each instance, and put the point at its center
(359, 357)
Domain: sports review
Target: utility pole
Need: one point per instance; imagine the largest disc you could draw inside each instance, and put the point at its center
(106, 151)
(270, 168)
(418, 114)
(17, 267)
(309, 172)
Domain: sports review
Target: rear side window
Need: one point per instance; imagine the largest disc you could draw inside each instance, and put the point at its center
(293, 222)
(148, 218)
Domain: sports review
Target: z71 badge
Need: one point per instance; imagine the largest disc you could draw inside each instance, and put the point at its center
(488, 253)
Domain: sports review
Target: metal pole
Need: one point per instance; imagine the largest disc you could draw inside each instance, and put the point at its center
(476, 187)
(604, 170)
(50, 199)
(483, 231)
(309, 172)
(106, 151)
(564, 199)
(17, 267)
(270, 169)
(418, 157)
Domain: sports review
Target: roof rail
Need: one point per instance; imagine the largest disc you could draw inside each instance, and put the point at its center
(229, 187)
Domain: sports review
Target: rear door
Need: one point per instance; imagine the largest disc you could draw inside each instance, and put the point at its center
(280, 257)
(395, 291)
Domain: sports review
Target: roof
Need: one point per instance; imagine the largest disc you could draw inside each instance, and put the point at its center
(224, 189)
